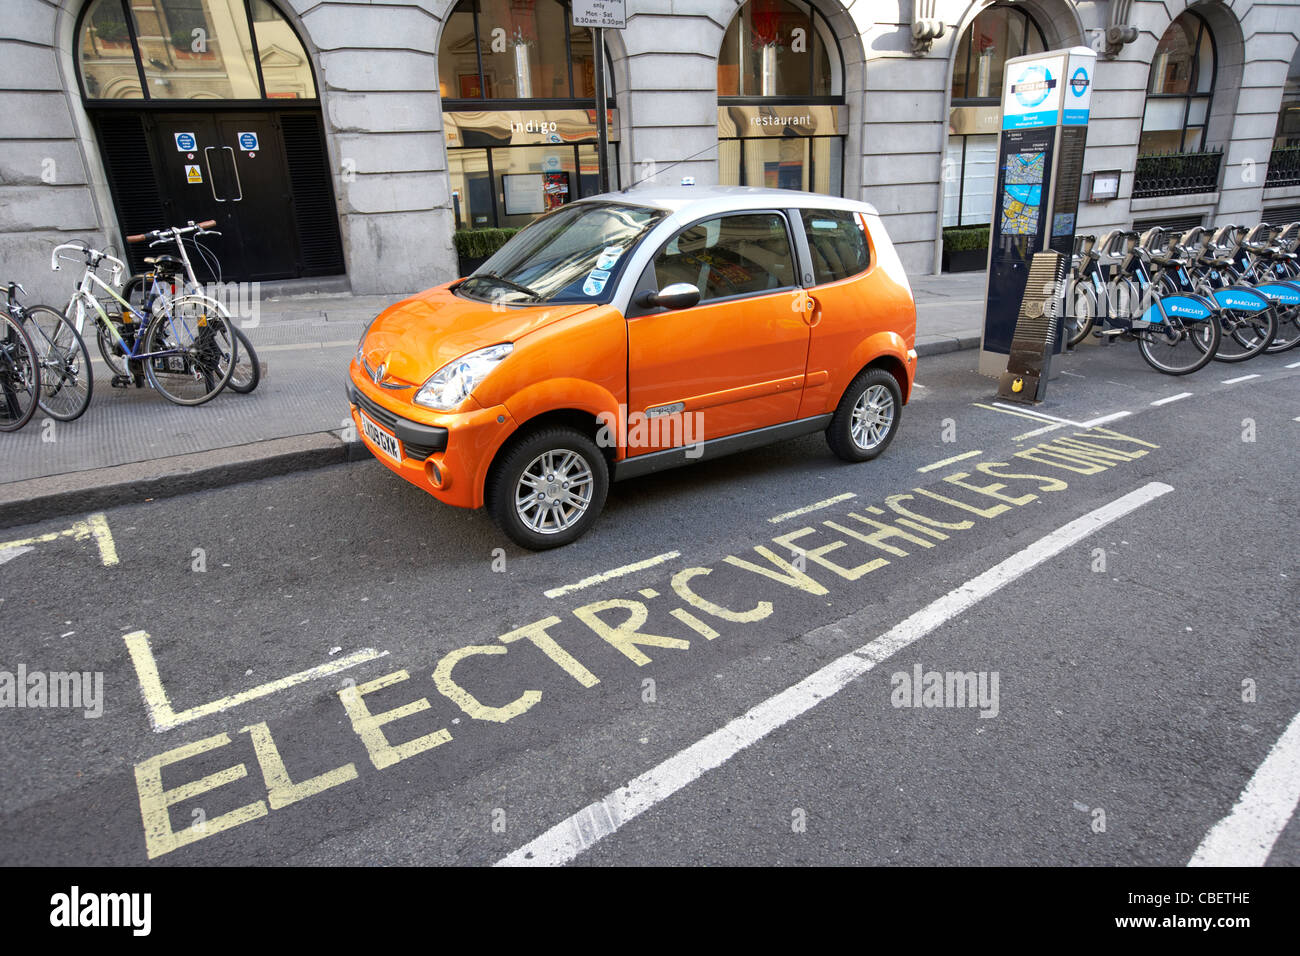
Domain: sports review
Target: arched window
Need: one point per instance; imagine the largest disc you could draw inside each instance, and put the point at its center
(1180, 89)
(1288, 117)
(518, 88)
(190, 50)
(997, 34)
(1284, 161)
(778, 48)
(515, 49)
(781, 119)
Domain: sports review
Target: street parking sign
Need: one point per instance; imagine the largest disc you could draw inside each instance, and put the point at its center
(609, 14)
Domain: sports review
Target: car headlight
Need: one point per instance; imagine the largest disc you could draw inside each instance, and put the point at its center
(447, 389)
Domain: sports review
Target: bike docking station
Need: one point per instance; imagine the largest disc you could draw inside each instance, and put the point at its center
(1045, 102)
(1038, 331)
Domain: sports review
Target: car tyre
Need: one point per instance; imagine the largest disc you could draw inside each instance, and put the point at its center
(867, 417)
(548, 488)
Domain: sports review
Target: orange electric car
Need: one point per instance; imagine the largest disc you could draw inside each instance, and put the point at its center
(632, 332)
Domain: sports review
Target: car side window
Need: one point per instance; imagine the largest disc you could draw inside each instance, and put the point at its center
(744, 254)
(838, 244)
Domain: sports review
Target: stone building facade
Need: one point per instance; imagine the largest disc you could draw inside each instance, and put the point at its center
(379, 127)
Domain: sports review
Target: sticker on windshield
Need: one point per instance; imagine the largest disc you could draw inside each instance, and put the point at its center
(608, 257)
(595, 283)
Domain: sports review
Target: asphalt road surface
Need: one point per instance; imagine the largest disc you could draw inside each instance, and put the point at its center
(1014, 639)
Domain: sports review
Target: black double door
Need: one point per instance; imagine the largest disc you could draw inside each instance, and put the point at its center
(262, 175)
(247, 191)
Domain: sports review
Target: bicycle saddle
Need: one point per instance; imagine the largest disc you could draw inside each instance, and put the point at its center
(168, 264)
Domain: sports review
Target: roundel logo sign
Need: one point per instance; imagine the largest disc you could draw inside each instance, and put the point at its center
(1079, 82)
(1034, 86)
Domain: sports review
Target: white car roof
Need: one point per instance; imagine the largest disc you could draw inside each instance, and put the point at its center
(710, 199)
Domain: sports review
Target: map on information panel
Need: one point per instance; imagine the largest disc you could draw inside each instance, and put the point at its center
(1022, 194)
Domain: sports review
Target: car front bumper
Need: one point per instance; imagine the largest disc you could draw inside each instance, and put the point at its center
(448, 455)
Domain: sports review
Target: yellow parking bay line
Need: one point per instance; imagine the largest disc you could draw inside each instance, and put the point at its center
(162, 716)
(95, 526)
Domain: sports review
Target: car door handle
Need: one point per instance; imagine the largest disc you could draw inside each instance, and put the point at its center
(812, 311)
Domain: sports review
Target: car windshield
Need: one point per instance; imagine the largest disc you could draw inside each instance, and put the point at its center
(573, 255)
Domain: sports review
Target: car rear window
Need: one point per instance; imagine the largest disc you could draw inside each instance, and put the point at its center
(838, 244)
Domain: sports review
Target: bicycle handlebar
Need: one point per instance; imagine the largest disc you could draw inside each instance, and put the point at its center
(92, 257)
(172, 233)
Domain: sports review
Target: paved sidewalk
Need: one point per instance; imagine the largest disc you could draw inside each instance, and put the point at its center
(294, 419)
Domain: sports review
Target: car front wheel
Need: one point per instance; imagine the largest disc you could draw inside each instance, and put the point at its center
(549, 488)
(867, 417)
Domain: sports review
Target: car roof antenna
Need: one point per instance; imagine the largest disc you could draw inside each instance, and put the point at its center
(657, 171)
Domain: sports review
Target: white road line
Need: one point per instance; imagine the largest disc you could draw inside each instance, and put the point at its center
(1044, 417)
(564, 841)
(1239, 378)
(1041, 415)
(1006, 411)
(1294, 365)
(1245, 837)
(1172, 398)
(11, 552)
(1112, 417)
(617, 572)
(949, 461)
(817, 506)
(1039, 431)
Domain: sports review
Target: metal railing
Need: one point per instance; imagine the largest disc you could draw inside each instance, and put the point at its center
(1177, 174)
(1283, 167)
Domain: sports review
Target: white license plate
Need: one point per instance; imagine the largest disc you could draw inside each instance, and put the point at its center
(382, 439)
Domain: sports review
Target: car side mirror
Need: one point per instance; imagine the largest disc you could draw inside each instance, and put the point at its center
(679, 295)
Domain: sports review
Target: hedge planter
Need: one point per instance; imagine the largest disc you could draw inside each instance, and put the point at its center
(467, 264)
(968, 260)
(965, 248)
(475, 246)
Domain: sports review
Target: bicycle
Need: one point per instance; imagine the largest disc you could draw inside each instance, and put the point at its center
(1226, 259)
(1176, 333)
(1247, 317)
(186, 347)
(144, 289)
(67, 378)
(20, 375)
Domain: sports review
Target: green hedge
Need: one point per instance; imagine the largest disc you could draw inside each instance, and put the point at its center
(480, 243)
(965, 238)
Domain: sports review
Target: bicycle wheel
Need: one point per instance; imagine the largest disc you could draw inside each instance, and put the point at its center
(67, 378)
(247, 373)
(112, 352)
(1288, 331)
(194, 338)
(1080, 324)
(20, 376)
(1245, 335)
(1178, 348)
